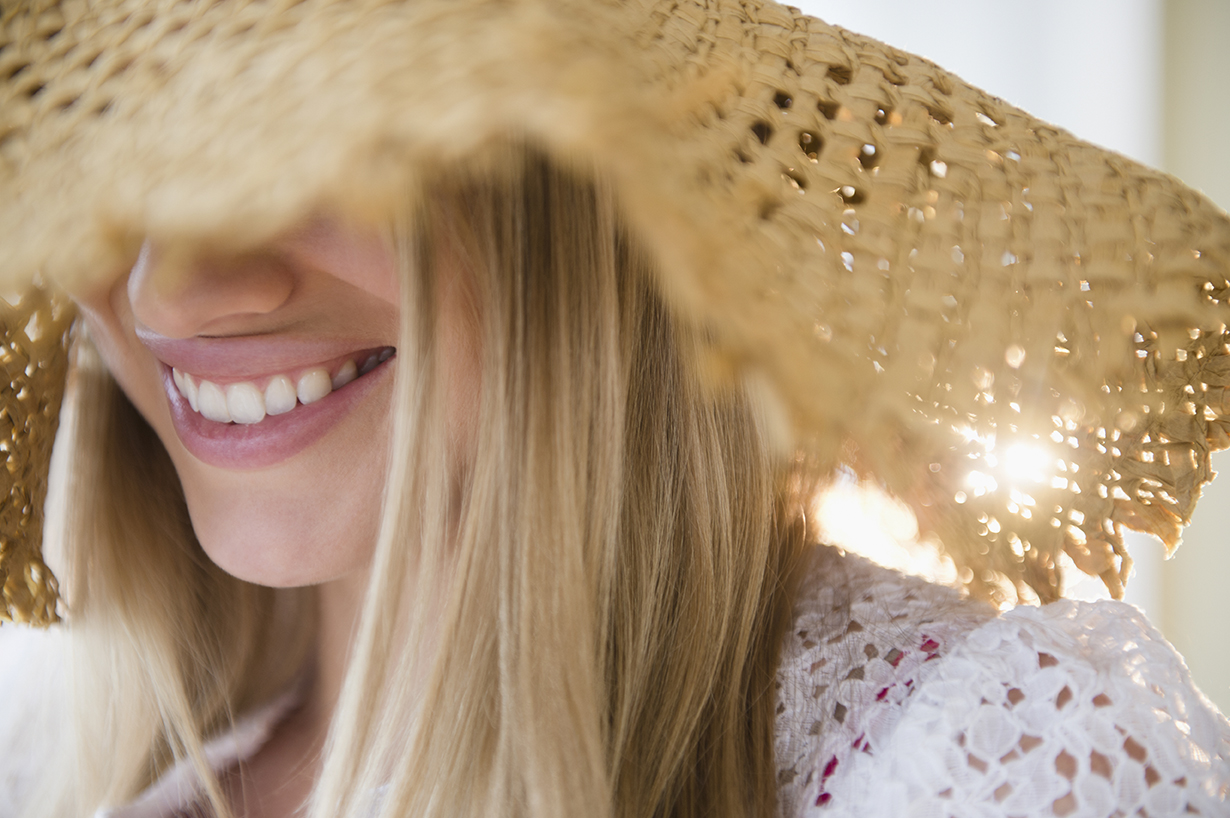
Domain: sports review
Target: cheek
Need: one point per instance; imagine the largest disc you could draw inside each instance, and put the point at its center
(108, 323)
(361, 258)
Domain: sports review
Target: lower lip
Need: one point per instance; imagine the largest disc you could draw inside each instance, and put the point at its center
(276, 438)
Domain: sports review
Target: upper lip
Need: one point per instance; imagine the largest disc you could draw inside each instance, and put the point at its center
(249, 356)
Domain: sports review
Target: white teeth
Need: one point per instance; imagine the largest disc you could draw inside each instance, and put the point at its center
(193, 395)
(280, 396)
(345, 375)
(313, 385)
(186, 387)
(245, 403)
(213, 402)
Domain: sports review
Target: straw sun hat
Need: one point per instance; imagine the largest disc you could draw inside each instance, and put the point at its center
(1020, 334)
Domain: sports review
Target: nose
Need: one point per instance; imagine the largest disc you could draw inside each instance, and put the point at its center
(201, 295)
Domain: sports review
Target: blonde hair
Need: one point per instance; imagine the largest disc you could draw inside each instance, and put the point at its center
(600, 634)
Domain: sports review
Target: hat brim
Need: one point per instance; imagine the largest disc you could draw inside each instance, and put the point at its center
(936, 287)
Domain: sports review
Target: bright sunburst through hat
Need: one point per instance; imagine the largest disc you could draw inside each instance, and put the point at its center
(1021, 335)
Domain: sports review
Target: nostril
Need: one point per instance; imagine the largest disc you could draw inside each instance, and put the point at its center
(179, 295)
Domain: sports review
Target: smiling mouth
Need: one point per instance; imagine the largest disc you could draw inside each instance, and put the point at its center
(250, 402)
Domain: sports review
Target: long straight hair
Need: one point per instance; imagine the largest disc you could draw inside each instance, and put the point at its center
(581, 616)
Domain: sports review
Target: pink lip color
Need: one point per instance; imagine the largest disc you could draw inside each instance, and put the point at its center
(274, 439)
(225, 360)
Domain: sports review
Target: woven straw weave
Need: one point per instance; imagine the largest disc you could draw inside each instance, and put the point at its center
(1021, 334)
(33, 354)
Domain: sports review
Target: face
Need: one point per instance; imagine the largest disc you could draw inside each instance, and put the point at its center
(269, 379)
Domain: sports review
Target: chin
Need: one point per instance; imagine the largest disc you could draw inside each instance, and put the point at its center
(282, 562)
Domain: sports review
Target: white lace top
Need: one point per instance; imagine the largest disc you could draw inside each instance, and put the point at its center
(896, 699)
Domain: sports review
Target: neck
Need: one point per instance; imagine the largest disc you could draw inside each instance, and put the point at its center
(339, 604)
(276, 781)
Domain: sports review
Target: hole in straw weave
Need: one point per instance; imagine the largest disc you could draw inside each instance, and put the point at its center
(34, 328)
(795, 179)
(811, 143)
(829, 109)
(850, 194)
(763, 131)
(868, 157)
(782, 100)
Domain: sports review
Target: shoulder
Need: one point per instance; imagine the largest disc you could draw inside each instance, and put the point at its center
(861, 639)
(1068, 709)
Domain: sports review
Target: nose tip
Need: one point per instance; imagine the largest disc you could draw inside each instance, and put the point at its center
(180, 296)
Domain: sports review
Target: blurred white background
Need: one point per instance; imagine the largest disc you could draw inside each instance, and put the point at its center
(1147, 78)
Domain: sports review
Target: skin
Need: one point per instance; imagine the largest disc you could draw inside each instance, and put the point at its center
(311, 519)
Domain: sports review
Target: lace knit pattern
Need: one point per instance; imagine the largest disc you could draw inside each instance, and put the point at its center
(898, 698)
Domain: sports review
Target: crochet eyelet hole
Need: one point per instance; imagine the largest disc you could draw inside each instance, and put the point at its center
(795, 180)
(851, 195)
(783, 100)
(1064, 806)
(869, 157)
(763, 131)
(811, 144)
(1065, 765)
(1100, 765)
(985, 120)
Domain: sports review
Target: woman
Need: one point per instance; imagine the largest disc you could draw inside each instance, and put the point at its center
(453, 379)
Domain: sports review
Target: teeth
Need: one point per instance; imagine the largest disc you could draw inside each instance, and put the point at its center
(186, 387)
(280, 396)
(213, 402)
(345, 375)
(245, 403)
(313, 385)
(193, 395)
